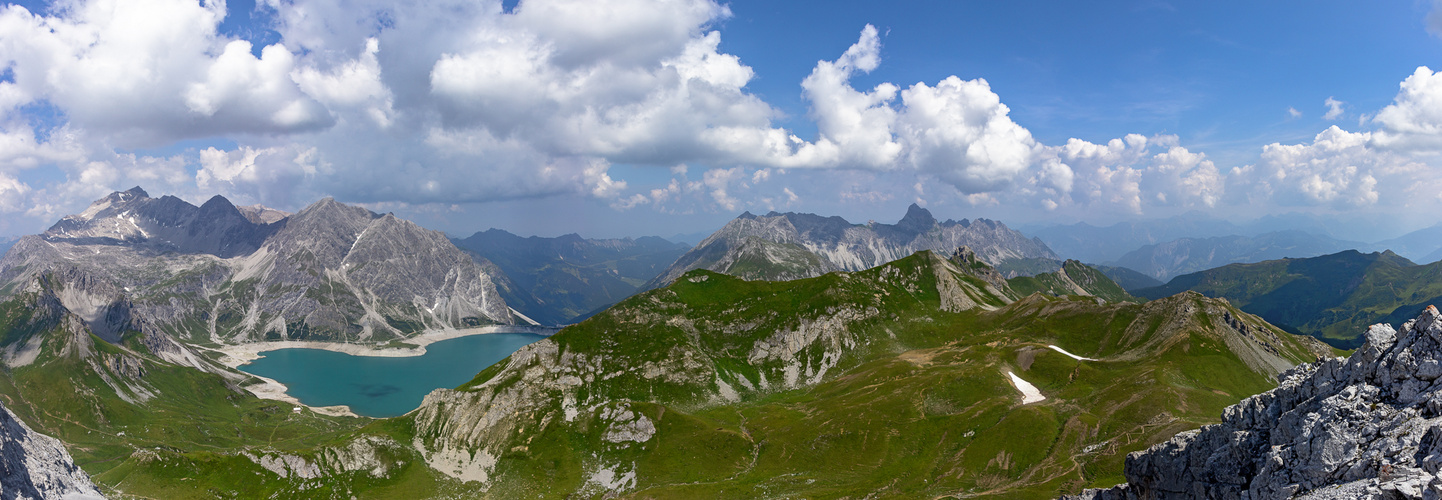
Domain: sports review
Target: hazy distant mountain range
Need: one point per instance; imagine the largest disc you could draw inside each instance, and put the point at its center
(784, 246)
(560, 280)
(1102, 244)
(1423, 245)
(1186, 255)
(1165, 248)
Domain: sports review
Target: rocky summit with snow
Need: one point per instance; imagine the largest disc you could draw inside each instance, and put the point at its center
(1365, 426)
(36, 466)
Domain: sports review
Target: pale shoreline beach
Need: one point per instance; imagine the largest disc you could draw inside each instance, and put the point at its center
(234, 356)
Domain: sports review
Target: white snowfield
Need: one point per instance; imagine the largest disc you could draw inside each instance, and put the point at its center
(1078, 358)
(1029, 393)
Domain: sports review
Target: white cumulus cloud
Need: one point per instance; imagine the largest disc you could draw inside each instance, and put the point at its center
(152, 71)
(1334, 109)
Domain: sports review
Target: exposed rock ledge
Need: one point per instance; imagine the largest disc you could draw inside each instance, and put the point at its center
(33, 465)
(1367, 426)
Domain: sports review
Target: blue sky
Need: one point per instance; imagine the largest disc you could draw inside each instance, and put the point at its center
(632, 117)
(1218, 74)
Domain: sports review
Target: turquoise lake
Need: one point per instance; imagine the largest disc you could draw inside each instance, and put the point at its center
(384, 387)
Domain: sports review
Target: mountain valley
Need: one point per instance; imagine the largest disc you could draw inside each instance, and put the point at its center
(565, 279)
(933, 374)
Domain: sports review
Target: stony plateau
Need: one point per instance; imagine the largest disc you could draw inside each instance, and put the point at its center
(784, 246)
(1365, 426)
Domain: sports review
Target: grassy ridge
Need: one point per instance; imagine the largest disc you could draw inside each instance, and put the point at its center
(920, 407)
(1333, 297)
(1074, 278)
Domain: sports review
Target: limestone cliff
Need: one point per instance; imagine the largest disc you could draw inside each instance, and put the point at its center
(36, 466)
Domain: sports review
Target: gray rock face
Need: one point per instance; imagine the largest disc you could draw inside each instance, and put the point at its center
(221, 274)
(36, 466)
(792, 245)
(1367, 426)
(377, 272)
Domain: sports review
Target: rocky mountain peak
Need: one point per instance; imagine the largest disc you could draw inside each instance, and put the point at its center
(158, 225)
(116, 201)
(832, 243)
(964, 256)
(218, 203)
(917, 219)
(1365, 426)
(970, 263)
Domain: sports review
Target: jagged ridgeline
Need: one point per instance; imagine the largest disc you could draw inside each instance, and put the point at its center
(889, 382)
(784, 246)
(219, 274)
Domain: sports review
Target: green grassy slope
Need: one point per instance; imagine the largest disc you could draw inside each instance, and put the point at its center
(887, 383)
(915, 401)
(1334, 297)
(1128, 279)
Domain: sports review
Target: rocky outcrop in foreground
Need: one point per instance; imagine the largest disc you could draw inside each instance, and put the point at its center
(34, 465)
(1367, 426)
